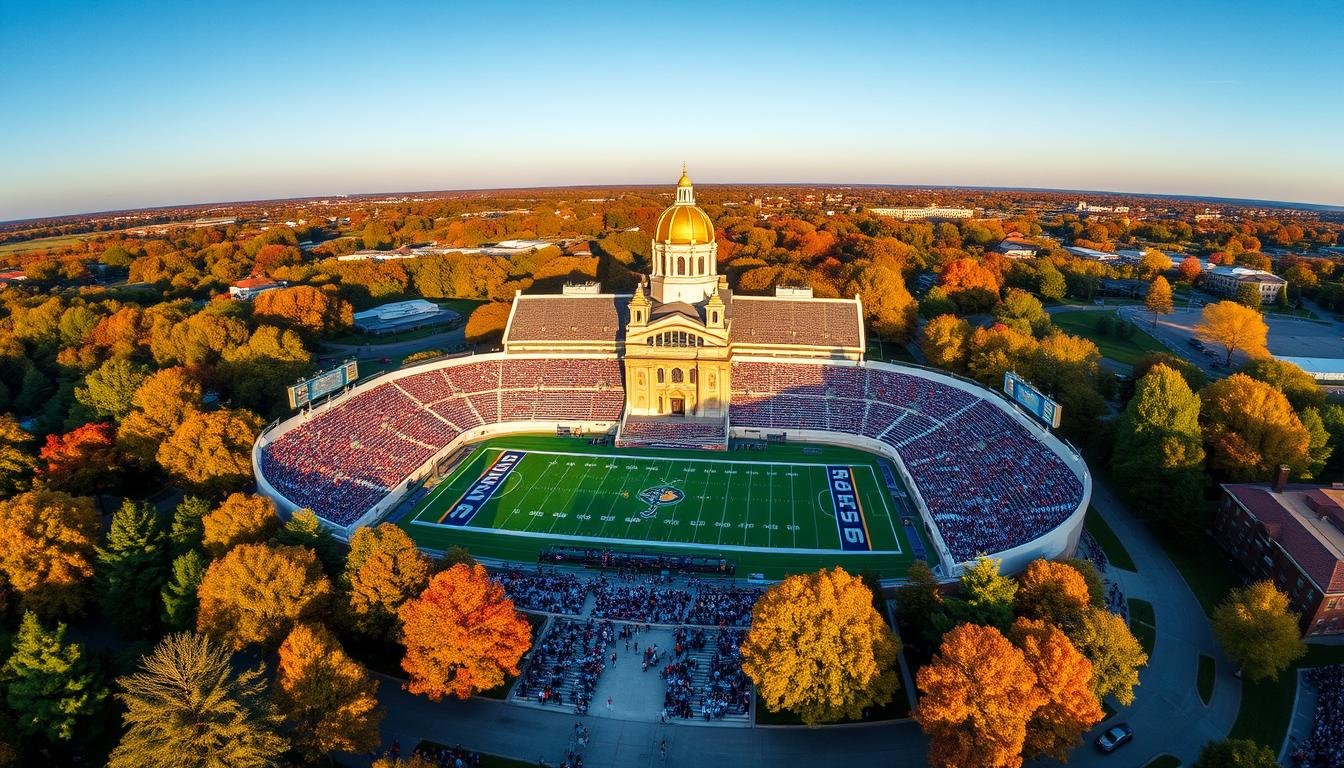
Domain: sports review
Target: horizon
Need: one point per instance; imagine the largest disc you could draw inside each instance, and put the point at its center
(133, 107)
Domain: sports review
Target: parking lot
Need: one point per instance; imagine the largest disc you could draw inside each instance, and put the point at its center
(1288, 337)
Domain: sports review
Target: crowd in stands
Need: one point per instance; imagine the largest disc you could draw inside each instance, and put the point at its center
(654, 600)
(988, 482)
(662, 433)
(437, 754)
(545, 591)
(1324, 748)
(565, 664)
(709, 690)
(348, 456)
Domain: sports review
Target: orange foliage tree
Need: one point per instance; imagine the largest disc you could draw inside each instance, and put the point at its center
(82, 460)
(326, 697)
(383, 570)
(818, 647)
(1063, 678)
(242, 518)
(979, 693)
(1251, 428)
(306, 307)
(1053, 592)
(971, 284)
(211, 451)
(47, 548)
(462, 634)
(487, 322)
(257, 592)
(162, 402)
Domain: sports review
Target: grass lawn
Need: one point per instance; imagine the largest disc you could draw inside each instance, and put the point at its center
(1267, 707)
(1127, 351)
(769, 511)
(1163, 761)
(1143, 623)
(41, 243)
(888, 351)
(1205, 679)
(1108, 541)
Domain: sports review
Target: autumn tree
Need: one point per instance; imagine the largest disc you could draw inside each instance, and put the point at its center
(162, 402)
(944, 341)
(887, 304)
(186, 706)
(49, 682)
(977, 695)
(1236, 753)
(1189, 269)
(970, 284)
(1235, 328)
(985, 597)
(1063, 679)
(1251, 429)
(1258, 630)
(1296, 384)
(817, 647)
(1116, 655)
(991, 352)
(305, 307)
(486, 324)
(462, 635)
(211, 451)
(178, 595)
(383, 570)
(1154, 263)
(1023, 313)
(242, 518)
(1053, 592)
(109, 389)
(1159, 300)
(47, 542)
(1159, 446)
(304, 529)
(16, 460)
(255, 593)
(132, 567)
(326, 698)
(80, 461)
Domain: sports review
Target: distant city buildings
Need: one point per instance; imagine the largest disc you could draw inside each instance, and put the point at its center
(1086, 207)
(932, 212)
(1014, 247)
(1292, 535)
(1092, 254)
(506, 248)
(249, 288)
(1227, 281)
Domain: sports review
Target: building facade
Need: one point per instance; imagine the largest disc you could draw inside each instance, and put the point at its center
(1227, 281)
(931, 212)
(1292, 535)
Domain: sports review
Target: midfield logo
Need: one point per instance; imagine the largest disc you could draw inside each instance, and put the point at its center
(659, 496)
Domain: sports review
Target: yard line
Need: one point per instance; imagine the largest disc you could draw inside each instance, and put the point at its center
(793, 508)
(573, 491)
(751, 480)
(724, 517)
(624, 486)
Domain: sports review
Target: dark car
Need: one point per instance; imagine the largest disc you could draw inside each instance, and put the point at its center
(1115, 738)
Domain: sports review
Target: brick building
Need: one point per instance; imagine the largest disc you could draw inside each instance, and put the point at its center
(1292, 535)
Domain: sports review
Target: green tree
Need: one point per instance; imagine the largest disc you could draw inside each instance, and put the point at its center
(187, 707)
(1248, 294)
(109, 389)
(919, 601)
(1258, 630)
(1158, 450)
(986, 597)
(179, 594)
(188, 528)
(1296, 384)
(132, 566)
(1116, 655)
(1236, 753)
(1022, 312)
(49, 683)
(1052, 285)
(304, 529)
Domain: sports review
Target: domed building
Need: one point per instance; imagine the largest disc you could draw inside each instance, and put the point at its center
(681, 329)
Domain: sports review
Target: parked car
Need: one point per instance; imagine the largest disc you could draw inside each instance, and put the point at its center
(1116, 737)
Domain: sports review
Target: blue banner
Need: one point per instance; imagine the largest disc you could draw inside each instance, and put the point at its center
(848, 511)
(490, 481)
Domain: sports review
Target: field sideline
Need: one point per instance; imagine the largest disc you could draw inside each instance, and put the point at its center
(771, 510)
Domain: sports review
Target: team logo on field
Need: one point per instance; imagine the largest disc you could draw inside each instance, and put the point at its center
(659, 496)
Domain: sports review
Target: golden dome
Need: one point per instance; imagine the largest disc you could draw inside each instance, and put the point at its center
(684, 225)
(684, 181)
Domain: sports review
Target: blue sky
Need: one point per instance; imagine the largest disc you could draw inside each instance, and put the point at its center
(113, 105)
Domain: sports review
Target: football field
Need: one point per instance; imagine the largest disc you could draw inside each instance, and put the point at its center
(781, 508)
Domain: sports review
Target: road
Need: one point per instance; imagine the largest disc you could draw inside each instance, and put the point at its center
(446, 340)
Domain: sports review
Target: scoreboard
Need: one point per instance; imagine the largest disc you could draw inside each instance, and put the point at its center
(322, 384)
(1040, 407)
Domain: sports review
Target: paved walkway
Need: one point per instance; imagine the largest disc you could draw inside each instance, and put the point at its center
(1168, 715)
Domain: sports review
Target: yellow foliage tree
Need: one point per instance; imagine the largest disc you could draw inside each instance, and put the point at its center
(462, 635)
(487, 322)
(817, 647)
(383, 570)
(211, 451)
(326, 697)
(1053, 592)
(159, 405)
(306, 307)
(1235, 328)
(944, 341)
(47, 548)
(257, 592)
(979, 693)
(242, 518)
(1251, 429)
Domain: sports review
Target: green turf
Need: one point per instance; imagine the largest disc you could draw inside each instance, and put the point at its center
(1205, 679)
(1143, 623)
(770, 510)
(1267, 706)
(1127, 351)
(1116, 554)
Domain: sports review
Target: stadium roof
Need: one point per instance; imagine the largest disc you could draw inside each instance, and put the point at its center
(1318, 367)
(810, 322)
(560, 318)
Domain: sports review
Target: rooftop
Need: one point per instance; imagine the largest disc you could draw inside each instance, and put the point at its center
(1302, 519)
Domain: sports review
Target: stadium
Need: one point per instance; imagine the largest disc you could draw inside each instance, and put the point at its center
(689, 428)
